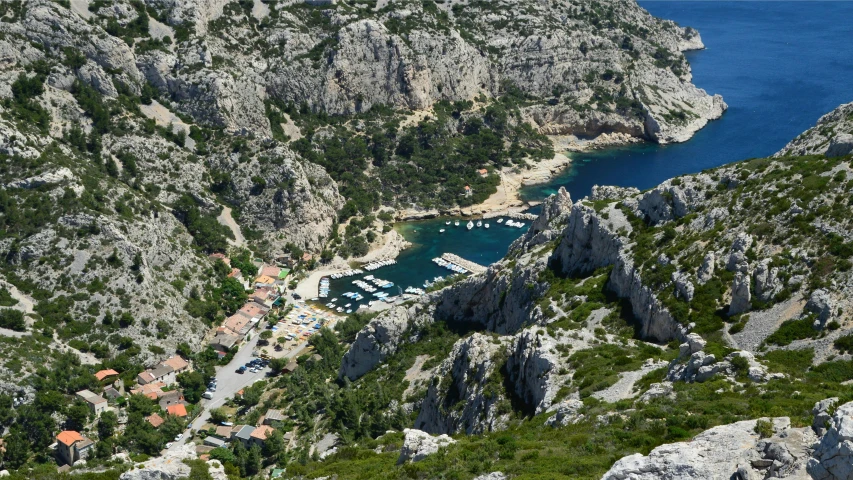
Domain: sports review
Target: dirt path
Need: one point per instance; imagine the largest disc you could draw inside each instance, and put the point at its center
(226, 219)
(624, 387)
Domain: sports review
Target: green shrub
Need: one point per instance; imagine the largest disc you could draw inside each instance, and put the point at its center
(764, 428)
(793, 330)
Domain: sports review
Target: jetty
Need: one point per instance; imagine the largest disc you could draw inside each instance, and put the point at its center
(466, 264)
(511, 214)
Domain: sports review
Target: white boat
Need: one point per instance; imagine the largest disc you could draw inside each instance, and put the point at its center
(447, 222)
(479, 224)
(456, 223)
(486, 225)
(441, 231)
(519, 224)
(334, 300)
(500, 220)
(470, 225)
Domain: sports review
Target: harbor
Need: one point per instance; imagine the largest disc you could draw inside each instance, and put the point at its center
(440, 250)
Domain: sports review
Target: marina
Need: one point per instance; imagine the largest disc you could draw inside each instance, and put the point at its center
(433, 257)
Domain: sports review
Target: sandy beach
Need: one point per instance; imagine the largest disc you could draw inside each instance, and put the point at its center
(507, 199)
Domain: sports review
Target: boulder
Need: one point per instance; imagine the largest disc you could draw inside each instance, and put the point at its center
(726, 452)
(821, 304)
(656, 391)
(417, 445)
(822, 416)
(566, 413)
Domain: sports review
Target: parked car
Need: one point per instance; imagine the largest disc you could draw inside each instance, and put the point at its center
(169, 445)
(241, 370)
(208, 395)
(179, 436)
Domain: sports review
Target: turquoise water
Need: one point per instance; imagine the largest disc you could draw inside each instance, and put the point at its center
(414, 265)
(778, 65)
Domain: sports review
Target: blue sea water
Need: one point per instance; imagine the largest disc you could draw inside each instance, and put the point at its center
(778, 65)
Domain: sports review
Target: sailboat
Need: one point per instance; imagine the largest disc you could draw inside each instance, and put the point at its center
(456, 223)
(470, 225)
(479, 224)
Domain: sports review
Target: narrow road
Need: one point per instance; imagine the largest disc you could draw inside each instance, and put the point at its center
(230, 382)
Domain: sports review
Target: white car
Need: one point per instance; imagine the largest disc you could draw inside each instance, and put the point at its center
(168, 445)
(179, 436)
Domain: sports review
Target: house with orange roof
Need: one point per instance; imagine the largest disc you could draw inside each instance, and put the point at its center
(265, 296)
(260, 434)
(483, 172)
(179, 410)
(253, 311)
(72, 447)
(102, 374)
(468, 191)
(239, 324)
(155, 420)
(166, 371)
(270, 271)
(265, 281)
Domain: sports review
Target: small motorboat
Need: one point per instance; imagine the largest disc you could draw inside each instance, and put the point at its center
(486, 225)
(479, 224)
(441, 231)
(500, 220)
(447, 222)
(456, 223)
(470, 225)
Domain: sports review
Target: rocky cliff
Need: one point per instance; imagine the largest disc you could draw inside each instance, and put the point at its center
(832, 136)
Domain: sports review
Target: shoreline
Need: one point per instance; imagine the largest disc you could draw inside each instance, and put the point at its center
(506, 201)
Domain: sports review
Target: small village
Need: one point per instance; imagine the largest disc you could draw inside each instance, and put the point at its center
(262, 339)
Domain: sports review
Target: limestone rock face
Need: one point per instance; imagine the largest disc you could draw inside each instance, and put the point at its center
(531, 364)
(832, 136)
(459, 398)
(656, 321)
(171, 466)
(503, 300)
(767, 282)
(683, 286)
(555, 211)
(833, 456)
(726, 452)
(822, 416)
(417, 445)
(378, 339)
(840, 145)
(610, 192)
(588, 243)
(737, 256)
(305, 210)
(741, 295)
(821, 303)
(706, 270)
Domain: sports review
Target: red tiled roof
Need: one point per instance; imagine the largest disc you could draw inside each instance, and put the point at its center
(261, 432)
(155, 420)
(105, 373)
(177, 363)
(68, 437)
(178, 410)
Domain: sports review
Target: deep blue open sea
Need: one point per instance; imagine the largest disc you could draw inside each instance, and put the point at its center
(778, 65)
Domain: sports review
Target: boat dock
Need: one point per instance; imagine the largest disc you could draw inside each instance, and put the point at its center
(467, 265)
(509, 214)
